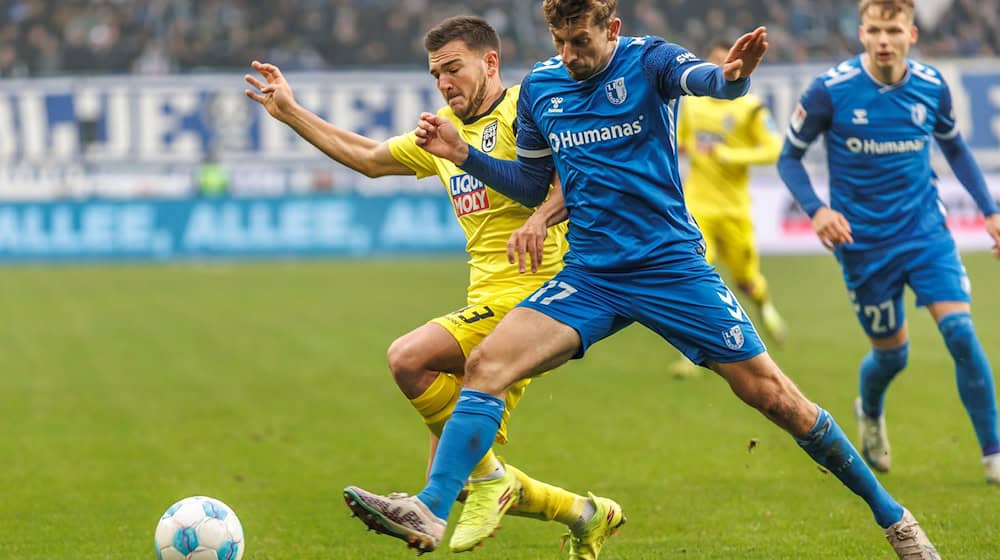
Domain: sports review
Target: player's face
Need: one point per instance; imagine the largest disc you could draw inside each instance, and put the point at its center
(586, 48)
(887, 40)
(462, 76)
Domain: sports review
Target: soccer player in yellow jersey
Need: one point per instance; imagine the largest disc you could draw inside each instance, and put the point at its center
(426, 362)
(722, 139)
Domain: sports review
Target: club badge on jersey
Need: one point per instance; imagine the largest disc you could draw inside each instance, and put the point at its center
(617, 94)
(490, 137)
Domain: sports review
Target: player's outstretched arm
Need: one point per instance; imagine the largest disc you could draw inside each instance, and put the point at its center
(745, 55)
(525, 180)
(529, 239)
(358, 152)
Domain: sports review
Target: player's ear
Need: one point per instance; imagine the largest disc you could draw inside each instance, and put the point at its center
(914, 34)
(492, 60)
(614, 28)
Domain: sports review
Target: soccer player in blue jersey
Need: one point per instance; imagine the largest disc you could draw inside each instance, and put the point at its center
(877, 113)
(603, 115)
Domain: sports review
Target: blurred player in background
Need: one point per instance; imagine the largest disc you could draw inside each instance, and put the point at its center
(722, 139)
(463, 55)
(603, 114)
(877, 113)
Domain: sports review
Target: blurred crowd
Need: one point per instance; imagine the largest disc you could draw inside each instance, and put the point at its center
(57, 37)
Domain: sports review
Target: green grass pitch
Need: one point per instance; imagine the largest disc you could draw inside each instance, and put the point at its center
(126, 388)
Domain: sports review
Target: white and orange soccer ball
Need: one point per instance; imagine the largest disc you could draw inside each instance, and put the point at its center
(199, 528)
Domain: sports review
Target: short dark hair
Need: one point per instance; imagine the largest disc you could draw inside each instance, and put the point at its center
(473, 30)
(887, 8)
(561, 13)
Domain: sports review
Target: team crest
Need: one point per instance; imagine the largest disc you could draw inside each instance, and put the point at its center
(616, 91)
(728, 122)
(918, 113)
(733, 337)
(490, 136)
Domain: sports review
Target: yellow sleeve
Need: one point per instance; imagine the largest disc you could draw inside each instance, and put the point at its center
(406, 151)
(767, 142)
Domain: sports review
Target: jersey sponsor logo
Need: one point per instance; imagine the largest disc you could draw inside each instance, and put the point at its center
(875, 147)
(918, 112)
(798, 118)
(615, 89)
(733, 337)
(556, 105)
(685, 57)
(468, 194)
(490, 136)
(561, 140)
(860, 116)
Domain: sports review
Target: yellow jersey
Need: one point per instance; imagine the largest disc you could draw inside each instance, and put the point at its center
(487, 217)
(722, 139)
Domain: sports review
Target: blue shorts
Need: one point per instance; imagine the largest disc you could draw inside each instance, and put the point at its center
(875, 281)
(688, 305)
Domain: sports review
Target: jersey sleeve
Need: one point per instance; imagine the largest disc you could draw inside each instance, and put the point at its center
(405, 150)
(530, 141)
(676, 71)
(812, 116)
(945, 127)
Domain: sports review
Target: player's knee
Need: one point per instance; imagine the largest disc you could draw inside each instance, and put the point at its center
(404, 359)
(484, 371)
(892, 359)
(959, 334)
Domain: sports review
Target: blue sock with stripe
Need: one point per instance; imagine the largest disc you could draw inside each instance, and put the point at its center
(878, 369)
(467, 436)
(974, 377)
(828, 446)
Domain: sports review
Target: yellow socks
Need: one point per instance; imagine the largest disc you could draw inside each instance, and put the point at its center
(545, 501)
(437, 402)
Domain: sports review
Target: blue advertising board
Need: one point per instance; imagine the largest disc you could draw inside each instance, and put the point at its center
(228, 228)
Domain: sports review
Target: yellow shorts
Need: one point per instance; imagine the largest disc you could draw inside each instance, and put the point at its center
(729, 238)
(469, 326)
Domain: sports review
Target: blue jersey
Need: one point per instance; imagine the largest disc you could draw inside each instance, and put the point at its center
(613, 141)
(878, 141)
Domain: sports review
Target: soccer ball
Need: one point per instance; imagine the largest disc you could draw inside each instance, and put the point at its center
(199, 528)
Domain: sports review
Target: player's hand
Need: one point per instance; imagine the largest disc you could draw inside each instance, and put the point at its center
(439, 136)
(528, 239)
(745, 55)
(832, 228)
(276, 95)
(993, 228)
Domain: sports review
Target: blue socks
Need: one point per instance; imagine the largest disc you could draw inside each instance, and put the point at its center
(878, 369)
(828, 446)
(467, 436)
(974, 378)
